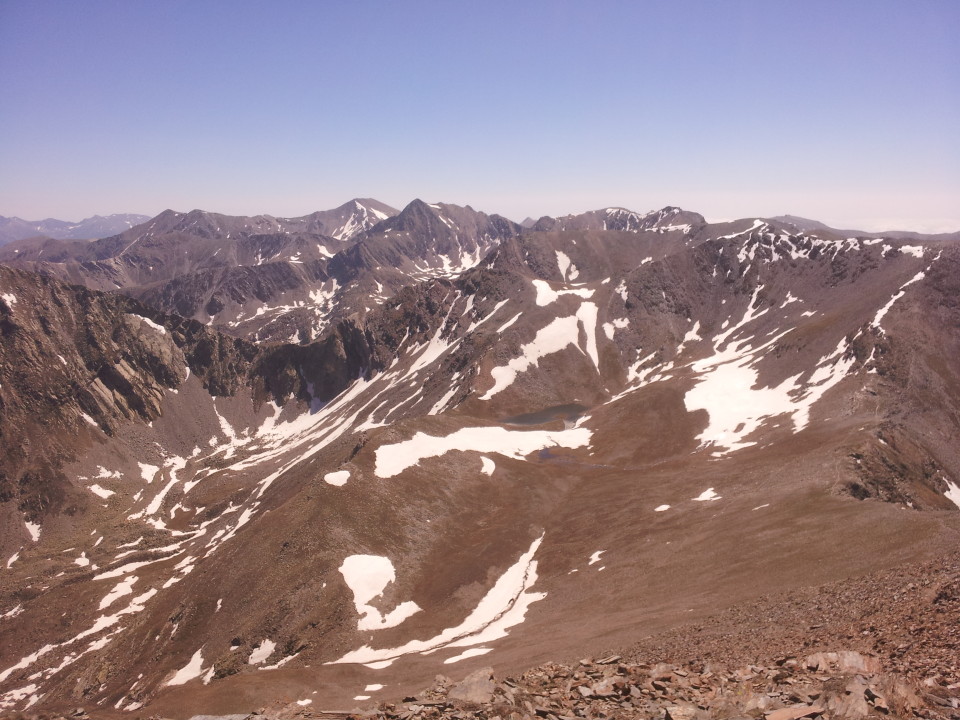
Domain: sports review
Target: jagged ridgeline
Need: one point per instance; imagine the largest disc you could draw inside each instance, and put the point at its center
(258, 459)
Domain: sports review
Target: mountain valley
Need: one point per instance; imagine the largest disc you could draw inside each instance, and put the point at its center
(315, 462)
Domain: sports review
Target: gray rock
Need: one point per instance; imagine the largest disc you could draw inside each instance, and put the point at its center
(680, 712)
(476, 687)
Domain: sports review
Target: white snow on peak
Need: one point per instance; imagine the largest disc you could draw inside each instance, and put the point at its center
(367, 576)
(757, 223)
(661, 508)
(595, 557)
(706, 496)
(10, 299)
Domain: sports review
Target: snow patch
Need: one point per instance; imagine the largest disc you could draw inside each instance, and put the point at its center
(468, 653)
(547, 295)
(953, 493)
(693, 334)
(487, 466)
(337, 478)
(556, 336)
(367, 576)
(621, 290)
(159, 328)
(262, 652)
(191, 670)
(899, 294)
(124, 587)
(503, 607)
(391, 460)
(34, 529)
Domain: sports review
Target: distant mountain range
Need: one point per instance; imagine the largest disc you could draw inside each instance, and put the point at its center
(98, 226)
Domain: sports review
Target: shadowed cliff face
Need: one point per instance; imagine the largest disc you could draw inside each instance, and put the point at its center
(608, 431)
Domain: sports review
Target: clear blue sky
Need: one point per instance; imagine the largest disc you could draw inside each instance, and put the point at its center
(848, 112)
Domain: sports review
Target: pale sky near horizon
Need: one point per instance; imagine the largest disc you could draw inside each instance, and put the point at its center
(842, 111)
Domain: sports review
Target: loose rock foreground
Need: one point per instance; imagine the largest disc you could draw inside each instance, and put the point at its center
(883, 645)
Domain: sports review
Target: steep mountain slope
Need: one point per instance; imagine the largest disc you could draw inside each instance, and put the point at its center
(98, 226)
(607, 432)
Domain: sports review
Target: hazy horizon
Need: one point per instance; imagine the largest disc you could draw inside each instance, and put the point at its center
(842, 113)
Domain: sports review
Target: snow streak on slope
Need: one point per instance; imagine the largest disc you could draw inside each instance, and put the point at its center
(726, 387)
(553, 338)
(504, 606)
(900, 293)
(727, 390)
(557, 335)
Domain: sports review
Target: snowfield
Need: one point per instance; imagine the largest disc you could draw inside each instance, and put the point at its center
(391, 460)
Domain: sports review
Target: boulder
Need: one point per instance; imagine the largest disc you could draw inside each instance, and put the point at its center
(477, 687)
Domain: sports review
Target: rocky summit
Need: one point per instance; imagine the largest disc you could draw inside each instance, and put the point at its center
(430, 462)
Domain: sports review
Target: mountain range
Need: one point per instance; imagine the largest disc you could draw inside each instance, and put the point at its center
(317, 461)
(97, 226)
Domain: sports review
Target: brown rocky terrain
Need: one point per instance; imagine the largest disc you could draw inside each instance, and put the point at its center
(682, 447)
